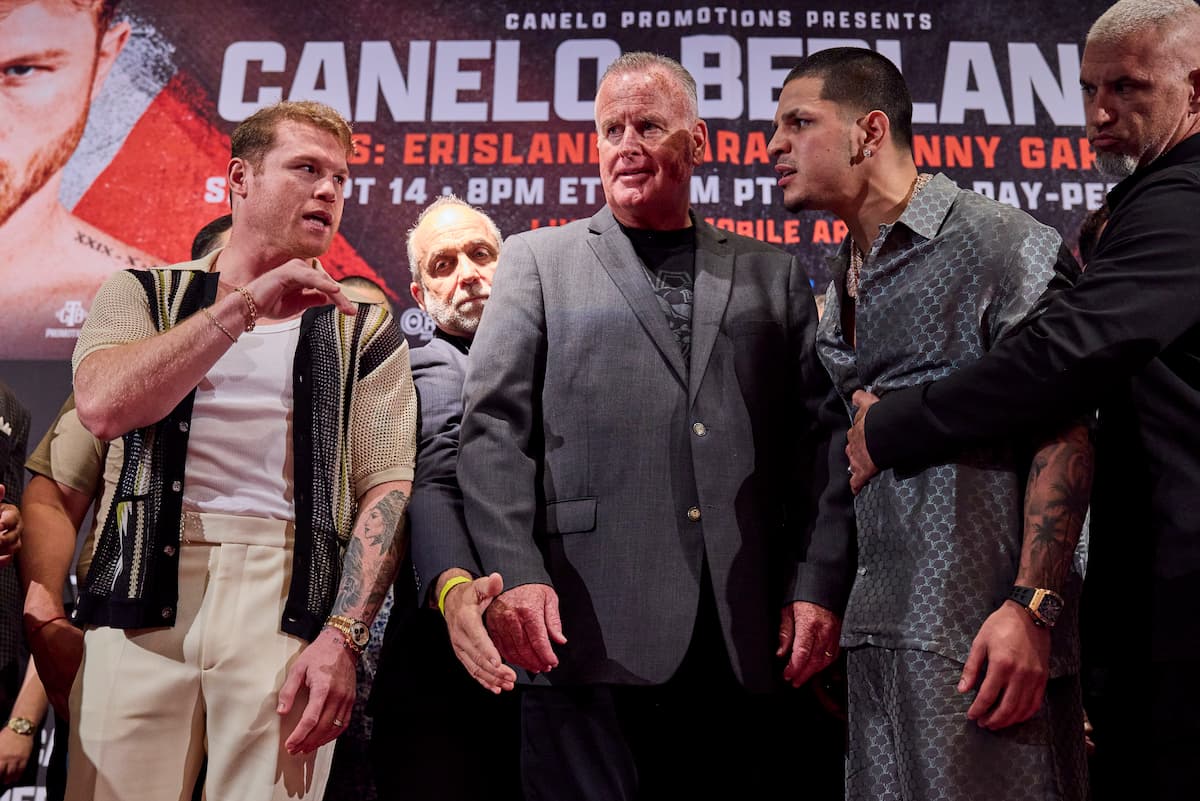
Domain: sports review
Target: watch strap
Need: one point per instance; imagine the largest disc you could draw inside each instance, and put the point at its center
(1022, 595)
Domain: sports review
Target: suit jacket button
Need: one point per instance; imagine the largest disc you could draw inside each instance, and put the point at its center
(693, 514)
(699, 429)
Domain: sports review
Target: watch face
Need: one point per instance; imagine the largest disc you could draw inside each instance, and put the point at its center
(1050, 608)
(360, 634)
(21, 726)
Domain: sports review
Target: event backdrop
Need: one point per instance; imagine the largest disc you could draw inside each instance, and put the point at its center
(492, 101)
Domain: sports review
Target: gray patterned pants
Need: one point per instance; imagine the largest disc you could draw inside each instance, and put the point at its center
(910, 739)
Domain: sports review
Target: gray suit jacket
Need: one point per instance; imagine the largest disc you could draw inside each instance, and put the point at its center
(594, 460)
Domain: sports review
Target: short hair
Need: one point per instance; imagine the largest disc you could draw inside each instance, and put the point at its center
(256, 134)
(205, 241)
(861, 80)
(105, 13)
(1130, 17)
(641, 61)
(442, 202)
(360, 283)
(1089, 233)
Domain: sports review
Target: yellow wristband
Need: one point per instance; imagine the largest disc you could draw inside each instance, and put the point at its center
(449, 585)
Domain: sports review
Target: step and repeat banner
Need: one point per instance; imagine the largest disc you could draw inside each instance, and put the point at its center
(490, 101)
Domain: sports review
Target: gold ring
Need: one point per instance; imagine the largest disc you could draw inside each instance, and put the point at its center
(337, 722)
(828, 655)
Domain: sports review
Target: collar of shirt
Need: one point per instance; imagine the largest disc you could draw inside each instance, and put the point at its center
(923, 216)
(1187, 150)
(461, 343)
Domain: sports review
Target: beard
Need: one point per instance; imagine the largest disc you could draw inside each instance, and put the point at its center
(450, 317)
(1117, 166)
(19, 182)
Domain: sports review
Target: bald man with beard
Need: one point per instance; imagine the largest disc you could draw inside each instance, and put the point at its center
(420, 748)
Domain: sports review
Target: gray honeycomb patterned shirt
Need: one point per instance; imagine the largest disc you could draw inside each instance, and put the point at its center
(938, 550)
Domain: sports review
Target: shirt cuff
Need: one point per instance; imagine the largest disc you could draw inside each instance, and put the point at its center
(366, 483)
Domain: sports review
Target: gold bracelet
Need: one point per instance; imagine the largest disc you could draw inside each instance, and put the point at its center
(355, 633)
(217, 323)
(251, 308)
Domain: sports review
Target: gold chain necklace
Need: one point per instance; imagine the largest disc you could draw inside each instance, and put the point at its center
(854, 272)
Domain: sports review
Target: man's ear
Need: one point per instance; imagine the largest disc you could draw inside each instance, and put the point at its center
(238, 173)
(1194, 97)
(418, 294)
(876, 130)
(699, 141)
(112, 42)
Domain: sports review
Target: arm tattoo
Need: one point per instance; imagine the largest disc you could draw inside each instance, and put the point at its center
(372, 556)
(1056, 501)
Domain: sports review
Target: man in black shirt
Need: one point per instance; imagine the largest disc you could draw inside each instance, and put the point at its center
(1126, 338)
(637, 455)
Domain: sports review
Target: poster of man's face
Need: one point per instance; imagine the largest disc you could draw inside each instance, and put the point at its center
(48, 54)
(54, 57)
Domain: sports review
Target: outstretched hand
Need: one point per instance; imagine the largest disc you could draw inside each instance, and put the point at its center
(465, 606)
(523, 621)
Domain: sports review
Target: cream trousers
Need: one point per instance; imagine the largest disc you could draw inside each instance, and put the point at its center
(148, 704)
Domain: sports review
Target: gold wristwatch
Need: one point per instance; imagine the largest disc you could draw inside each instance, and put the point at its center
(1044, 606)
(22, 726)
(357, 633)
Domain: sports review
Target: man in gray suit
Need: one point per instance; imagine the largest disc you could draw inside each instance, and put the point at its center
(640, 458)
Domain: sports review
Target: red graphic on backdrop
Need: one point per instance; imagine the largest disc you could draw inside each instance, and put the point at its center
(174, 142)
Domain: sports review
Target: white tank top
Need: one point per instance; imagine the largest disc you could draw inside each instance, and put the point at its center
(239, 458)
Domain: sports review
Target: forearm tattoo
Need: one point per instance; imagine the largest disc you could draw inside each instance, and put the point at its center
(374, 551)
(1056, 501)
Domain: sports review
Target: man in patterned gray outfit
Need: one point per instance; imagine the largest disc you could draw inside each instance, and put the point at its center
(961, 684)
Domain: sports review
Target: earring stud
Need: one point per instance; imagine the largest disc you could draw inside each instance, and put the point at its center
(867, 152)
